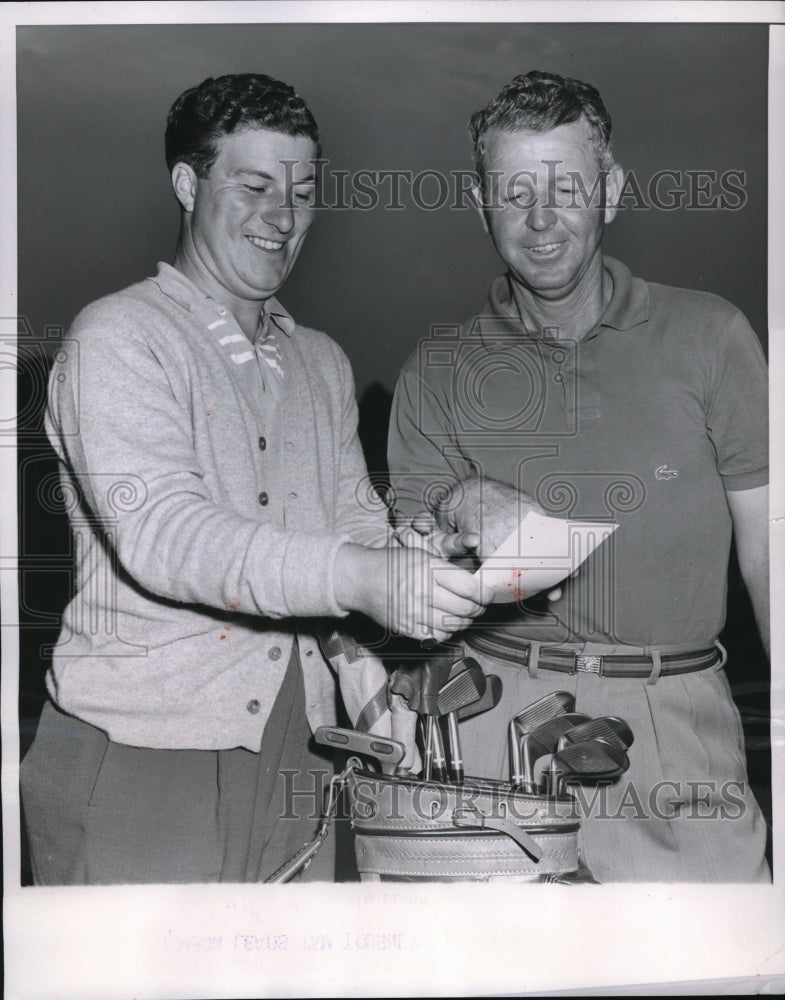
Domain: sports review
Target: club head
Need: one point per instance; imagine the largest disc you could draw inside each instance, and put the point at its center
(545, 708)
(389, 753)
(604, 728)
(590, 759)
(544, 740)
(491, 698)
(462, 688)
(465, 663)
(622, 730)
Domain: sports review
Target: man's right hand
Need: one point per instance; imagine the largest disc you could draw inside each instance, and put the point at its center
(408, 590)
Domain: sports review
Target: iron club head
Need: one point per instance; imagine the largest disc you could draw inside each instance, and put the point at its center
(544, 740)
(545, 708)
(609, 729)
(590, 759)
(491, 698)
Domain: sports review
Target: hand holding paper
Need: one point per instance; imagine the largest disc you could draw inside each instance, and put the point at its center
(539, 553)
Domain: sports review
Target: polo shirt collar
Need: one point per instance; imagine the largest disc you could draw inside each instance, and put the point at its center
(628, 307)
(180, 289)
(629, 304)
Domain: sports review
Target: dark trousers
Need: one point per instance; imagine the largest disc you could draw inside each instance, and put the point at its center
(99, 812)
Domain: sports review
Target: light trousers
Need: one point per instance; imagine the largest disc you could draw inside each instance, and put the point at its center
(684, 811)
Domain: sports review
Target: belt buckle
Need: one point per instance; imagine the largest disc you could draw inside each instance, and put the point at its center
(587, 664)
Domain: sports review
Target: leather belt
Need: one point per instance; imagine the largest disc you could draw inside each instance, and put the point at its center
(575, 660)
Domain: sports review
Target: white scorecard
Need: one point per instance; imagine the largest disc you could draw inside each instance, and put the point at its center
(539, 553)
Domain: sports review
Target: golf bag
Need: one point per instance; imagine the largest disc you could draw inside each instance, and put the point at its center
(480, 830)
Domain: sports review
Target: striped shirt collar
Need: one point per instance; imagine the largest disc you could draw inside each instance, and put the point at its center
(180, 289)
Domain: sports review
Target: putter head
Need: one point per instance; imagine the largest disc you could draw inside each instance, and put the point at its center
(590, 759)
(389, 753)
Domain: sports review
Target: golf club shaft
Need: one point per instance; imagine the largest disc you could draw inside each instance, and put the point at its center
(516, 763)
(456, 757)
(427, 747)
(439, 759)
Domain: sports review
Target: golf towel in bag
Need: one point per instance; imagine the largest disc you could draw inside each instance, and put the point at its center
(406, 829)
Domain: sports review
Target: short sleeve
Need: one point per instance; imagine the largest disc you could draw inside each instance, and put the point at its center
(420, 434)
(737, 418)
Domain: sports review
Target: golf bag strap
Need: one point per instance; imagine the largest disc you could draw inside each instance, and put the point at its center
(534, 658)
(373, 711)
(470, 817)
(337, 644)
(656, 664)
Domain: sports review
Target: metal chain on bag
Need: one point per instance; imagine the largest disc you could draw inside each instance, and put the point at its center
(300, 861)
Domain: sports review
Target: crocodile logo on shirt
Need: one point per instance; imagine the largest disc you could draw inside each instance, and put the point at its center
(663, 472)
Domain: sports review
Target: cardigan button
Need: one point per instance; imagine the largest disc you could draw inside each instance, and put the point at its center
(254, 706)
(274, 653)
(262, 443)
(263, 499)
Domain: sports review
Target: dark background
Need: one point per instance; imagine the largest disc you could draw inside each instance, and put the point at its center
(96, 212)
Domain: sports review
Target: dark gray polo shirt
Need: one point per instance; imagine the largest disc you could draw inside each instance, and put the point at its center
(647, 421)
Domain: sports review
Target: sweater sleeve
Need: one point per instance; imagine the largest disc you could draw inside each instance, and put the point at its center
(126, 444)
(361, 512)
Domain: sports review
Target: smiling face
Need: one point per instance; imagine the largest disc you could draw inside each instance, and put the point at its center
(245, 222)
(545, 207)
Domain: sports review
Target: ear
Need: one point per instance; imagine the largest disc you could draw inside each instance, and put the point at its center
(185, 182)
(478, 200)
(613, 188)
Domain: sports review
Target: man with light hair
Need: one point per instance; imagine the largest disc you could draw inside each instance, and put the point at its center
(593, 394)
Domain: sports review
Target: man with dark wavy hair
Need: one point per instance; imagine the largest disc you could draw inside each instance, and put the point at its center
(593, 394)
(209, 444)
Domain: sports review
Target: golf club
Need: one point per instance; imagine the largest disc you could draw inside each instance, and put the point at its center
(389, 753)
(465, 686)
(433, 675)
(491, 698)
(590, 759)
(609, 729)
(545, 708)
(544, 740)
